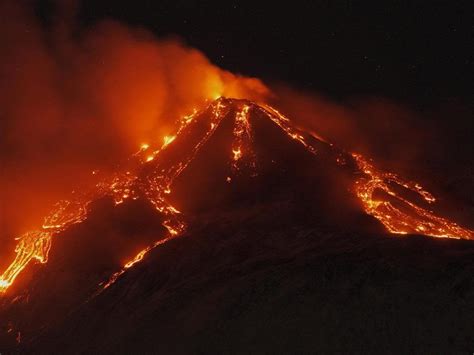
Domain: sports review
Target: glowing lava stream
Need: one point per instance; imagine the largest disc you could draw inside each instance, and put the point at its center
(35, 245)
(242, 144)
(411, 219)
(159, 183)
(156, 183)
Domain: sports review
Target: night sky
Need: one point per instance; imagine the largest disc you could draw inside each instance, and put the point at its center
(419, 51)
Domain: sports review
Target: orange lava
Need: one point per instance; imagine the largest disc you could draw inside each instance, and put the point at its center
(409, 217)
(154, 184)
(242, 139)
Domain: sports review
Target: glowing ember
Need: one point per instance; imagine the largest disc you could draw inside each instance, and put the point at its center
(167, 140)
(237, 153)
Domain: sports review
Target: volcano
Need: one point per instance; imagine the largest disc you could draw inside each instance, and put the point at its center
(241, 232)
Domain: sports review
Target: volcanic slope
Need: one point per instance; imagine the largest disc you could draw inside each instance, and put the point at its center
(236, 173)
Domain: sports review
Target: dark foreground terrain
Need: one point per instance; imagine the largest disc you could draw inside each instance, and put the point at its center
(283, 261)
(251, 282)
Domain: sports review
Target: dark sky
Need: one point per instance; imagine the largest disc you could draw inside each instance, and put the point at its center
(418, 50)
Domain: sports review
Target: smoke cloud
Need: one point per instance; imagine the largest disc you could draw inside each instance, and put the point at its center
(72, 101)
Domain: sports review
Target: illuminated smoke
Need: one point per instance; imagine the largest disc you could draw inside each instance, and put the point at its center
(75, 101)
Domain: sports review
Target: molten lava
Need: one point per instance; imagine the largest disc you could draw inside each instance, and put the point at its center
(410, 218)
(155, 173)
(242, 139)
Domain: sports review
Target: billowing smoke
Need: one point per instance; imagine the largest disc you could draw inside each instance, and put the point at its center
(72, 101)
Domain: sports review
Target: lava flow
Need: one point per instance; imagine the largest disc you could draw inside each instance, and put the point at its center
(409, 218)
(242, 139)
(156, 171)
